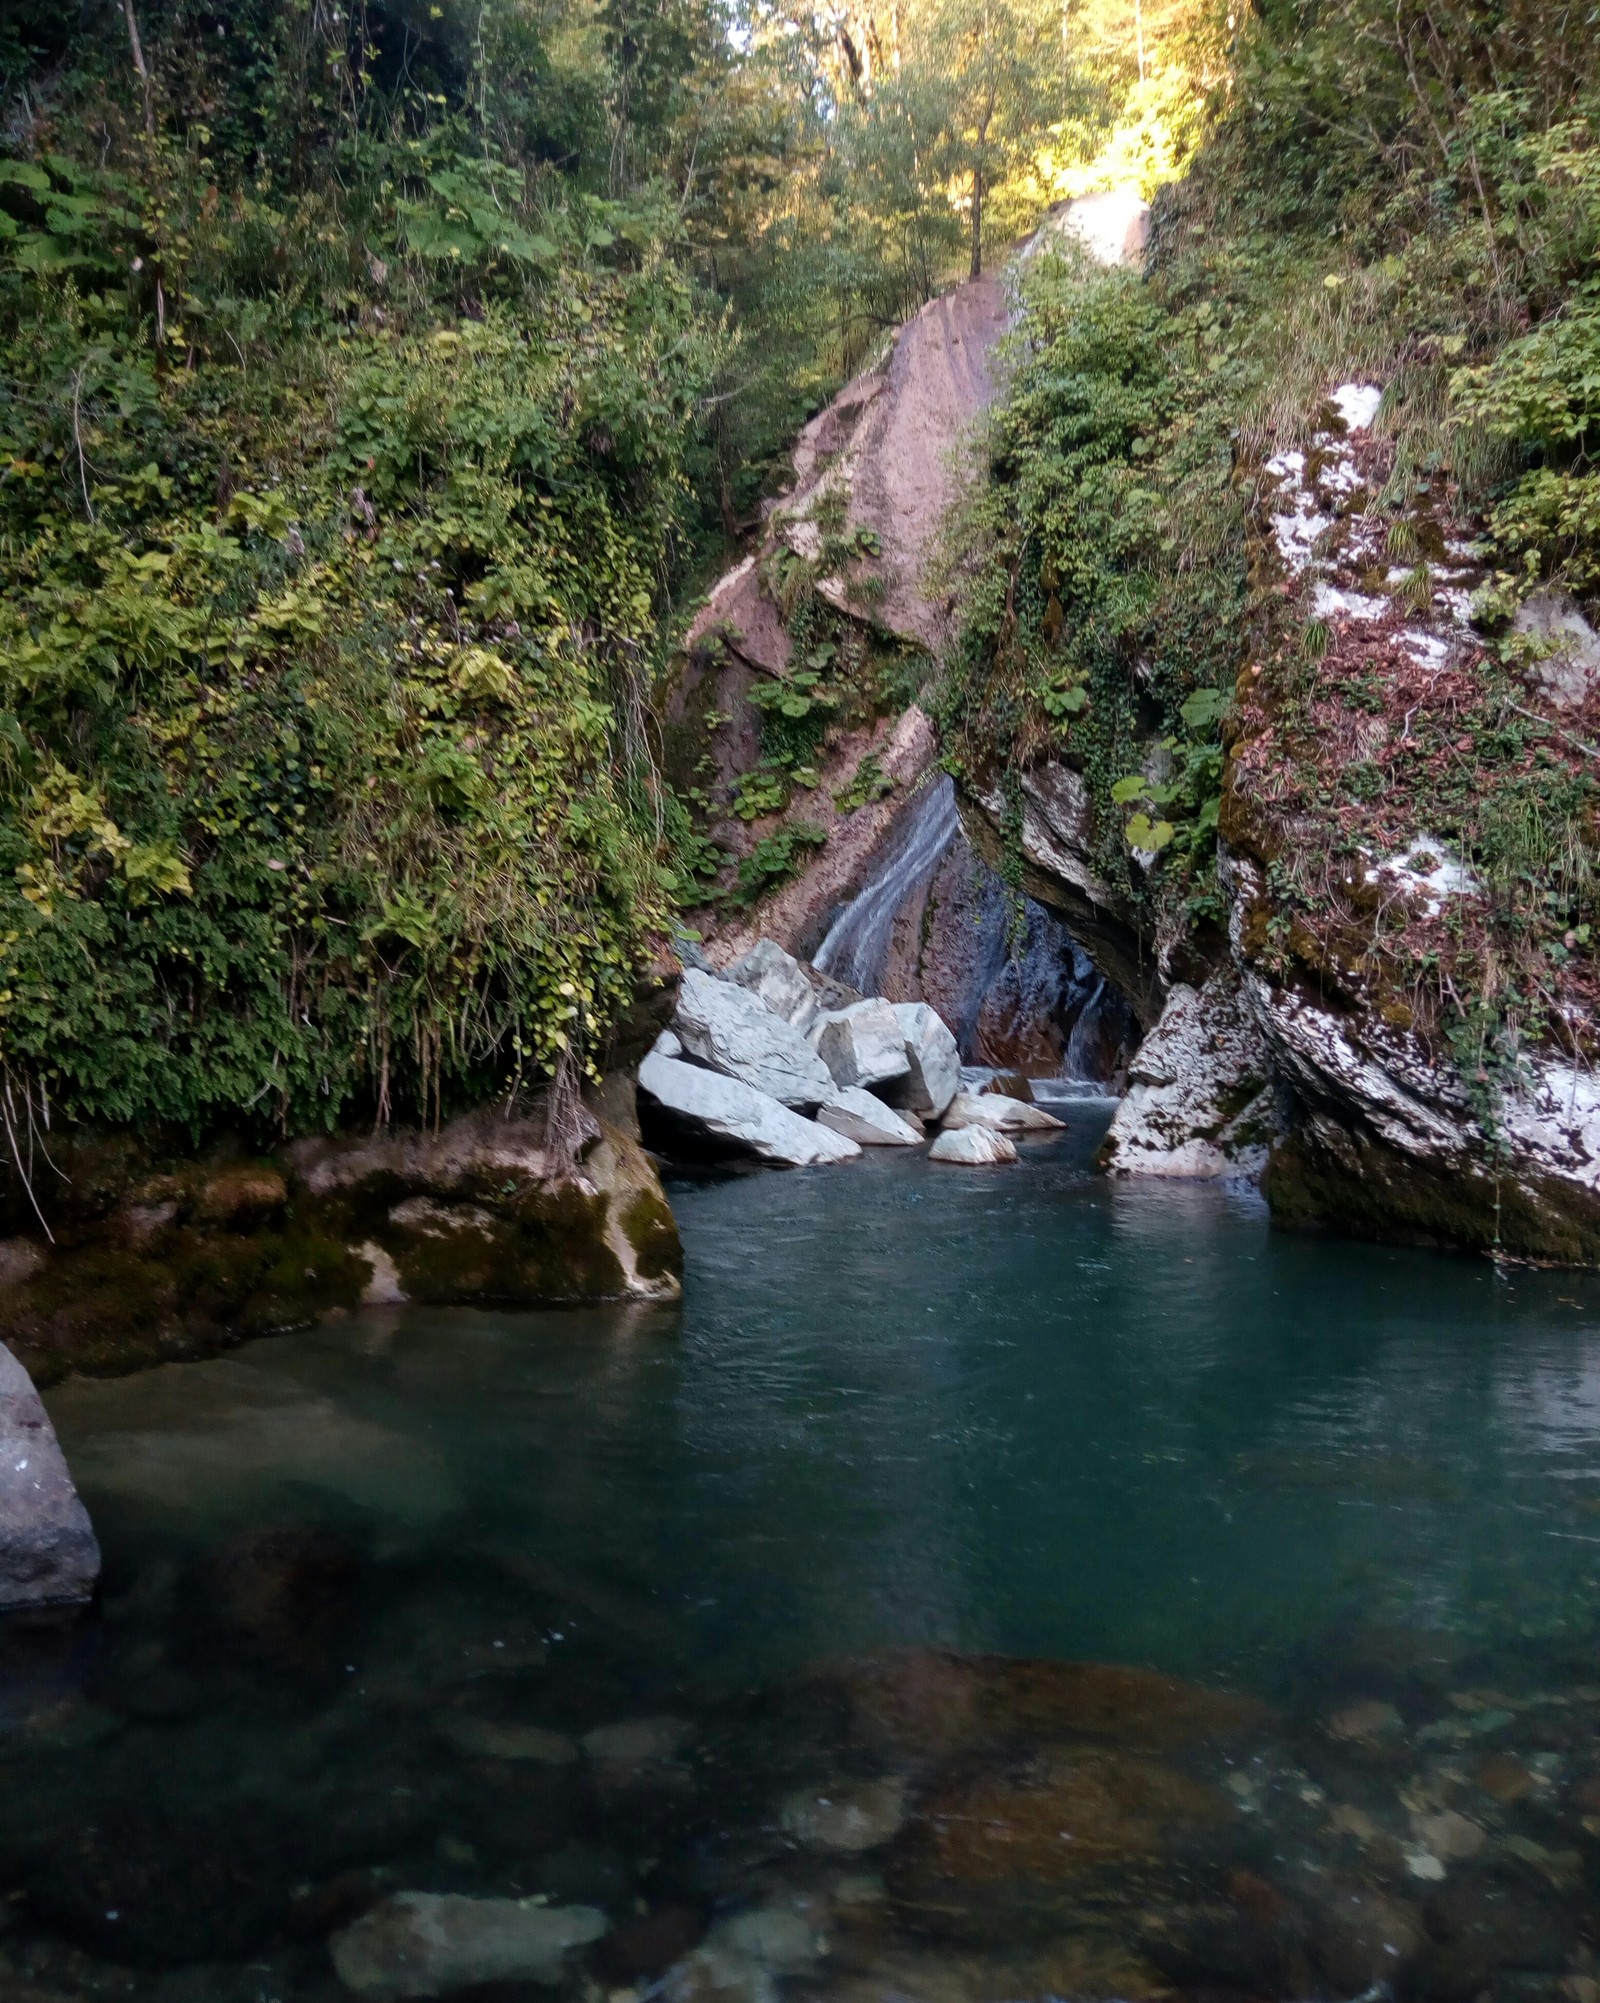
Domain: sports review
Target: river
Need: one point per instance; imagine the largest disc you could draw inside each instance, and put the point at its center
(384, 1601)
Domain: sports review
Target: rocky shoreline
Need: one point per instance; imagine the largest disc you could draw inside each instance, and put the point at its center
(775, 1062)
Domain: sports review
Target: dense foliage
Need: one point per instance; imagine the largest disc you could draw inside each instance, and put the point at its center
(348, 470)
(1403, 194)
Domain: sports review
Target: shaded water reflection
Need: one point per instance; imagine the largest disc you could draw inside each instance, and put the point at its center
(570, 1612)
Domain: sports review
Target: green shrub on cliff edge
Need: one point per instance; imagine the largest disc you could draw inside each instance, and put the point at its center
(342, 474)
(1390, 192)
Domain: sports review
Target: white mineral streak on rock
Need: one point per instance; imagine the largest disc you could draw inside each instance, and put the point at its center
(862, 1045)
(430, 1944)
(1332, 601)
(1357, 404)
(1427, 648)
(935, 1061)
(1200, 1102)
(733, 1031)
(973, 1147)
(1426, 871)
(999, 1113)
(726, 1109)
(867, 1121)
(1553, 1123)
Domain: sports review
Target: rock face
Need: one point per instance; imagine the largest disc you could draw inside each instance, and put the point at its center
(48, 1553)
(778, 979)
(999, 1113)
(973, 1147)
(863, 1045)
(1200, 1099)
(867, 1121)
(731, 1030)
(934, 1073)
(430, 1944)
(745, 1120)
(158, 1258)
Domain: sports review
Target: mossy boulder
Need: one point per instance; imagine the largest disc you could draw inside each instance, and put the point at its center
(154, 1257)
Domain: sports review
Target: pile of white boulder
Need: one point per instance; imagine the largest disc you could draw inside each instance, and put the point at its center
(771, 1059)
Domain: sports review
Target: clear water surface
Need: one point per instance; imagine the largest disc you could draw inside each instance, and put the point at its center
(917, 1440)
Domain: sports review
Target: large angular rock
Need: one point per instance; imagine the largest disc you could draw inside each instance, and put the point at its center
(431, 1944)
(862, 1118)
(778, 979)
(733, 1031)
(1200, 1101)
(729, 1111)
(934, 1077)
(48, 1553)
(863, 1045)
(999, 1113)
(973, 1147)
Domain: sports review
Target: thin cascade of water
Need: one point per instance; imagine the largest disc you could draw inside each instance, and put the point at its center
(856, 949)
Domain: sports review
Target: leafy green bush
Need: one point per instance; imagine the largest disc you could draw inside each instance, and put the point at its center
(339, 508)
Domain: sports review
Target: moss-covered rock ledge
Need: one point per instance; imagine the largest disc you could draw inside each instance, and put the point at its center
(155, 1257)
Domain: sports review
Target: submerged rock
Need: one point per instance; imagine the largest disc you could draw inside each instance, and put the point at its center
(491, 1739)
(846, 1816)
(934, 1075)
(428, 1944)
(723, 1110)
(973, 1147)
(733, 1031)
(999, 1113)
(862, 1118)
(48, 1553)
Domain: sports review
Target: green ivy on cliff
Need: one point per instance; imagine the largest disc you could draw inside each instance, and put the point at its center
(345, 469)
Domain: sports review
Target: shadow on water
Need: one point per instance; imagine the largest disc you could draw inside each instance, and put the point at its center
(986, 1585)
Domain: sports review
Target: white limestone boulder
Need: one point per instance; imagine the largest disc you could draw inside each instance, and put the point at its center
(1000, 1113)
(934, 1076)
(432, 1944)
(867, 1121)
(727, 1110)
(1200, 1102)
(862, 1045)
(48, 1553)
(731, 1030)
(778, 979)
(973, 1147)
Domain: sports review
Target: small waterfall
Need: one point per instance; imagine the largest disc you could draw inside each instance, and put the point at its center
(1016, 987)
(856, 948)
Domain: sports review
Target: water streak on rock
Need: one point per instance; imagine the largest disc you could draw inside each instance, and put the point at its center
(857, 942)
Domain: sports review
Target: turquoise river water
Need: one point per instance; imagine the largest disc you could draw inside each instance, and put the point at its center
(988, 1585)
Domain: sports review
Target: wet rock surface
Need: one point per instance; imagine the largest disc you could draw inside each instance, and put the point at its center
(160, 1259)
(48, 1553)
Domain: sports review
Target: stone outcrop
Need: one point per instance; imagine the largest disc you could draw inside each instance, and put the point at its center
(863, 1045)
(48, 1553)
(732, 1030)
(973, 1147)
(999, 1113)
(711, 1085)
(1200, 1102)
(867, 1120)
(934, 1074)
(157, 1258)
(691, 1103)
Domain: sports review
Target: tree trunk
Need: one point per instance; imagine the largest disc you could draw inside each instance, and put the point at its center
(977, 221)
(139, 68)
